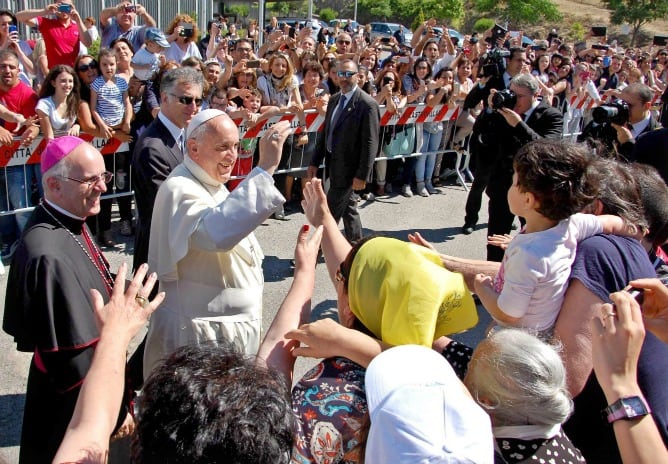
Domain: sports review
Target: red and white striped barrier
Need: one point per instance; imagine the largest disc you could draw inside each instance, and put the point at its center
(16, 155)
(584, 102)
(314, 122)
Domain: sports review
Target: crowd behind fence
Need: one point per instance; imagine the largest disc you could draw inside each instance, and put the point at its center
(577, 114)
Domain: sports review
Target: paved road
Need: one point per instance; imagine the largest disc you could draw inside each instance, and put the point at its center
(438, 218)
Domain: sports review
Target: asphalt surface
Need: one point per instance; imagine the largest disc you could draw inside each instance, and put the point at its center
(438, 218)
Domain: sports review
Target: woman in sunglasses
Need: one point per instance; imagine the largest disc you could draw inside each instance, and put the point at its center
(280, 89)
(392, 95)
(87, 71)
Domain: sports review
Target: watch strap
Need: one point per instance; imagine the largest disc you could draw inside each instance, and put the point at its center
(623, 409)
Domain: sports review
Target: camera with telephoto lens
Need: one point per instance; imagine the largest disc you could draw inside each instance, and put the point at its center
(504, 99)
(616, 113)
(493, 62)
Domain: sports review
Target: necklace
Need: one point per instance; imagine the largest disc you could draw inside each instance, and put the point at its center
(99, 263)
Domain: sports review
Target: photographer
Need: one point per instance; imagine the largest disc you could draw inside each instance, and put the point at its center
(518, 118)
(616, 126)
(498, 71)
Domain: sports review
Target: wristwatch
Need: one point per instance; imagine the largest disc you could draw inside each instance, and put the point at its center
(628, 408)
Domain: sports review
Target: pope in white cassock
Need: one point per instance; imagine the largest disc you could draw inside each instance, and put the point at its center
(202, 245)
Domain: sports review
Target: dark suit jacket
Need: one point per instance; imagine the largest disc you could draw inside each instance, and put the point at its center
(652, 148)
(545, 122)
(155, 155)
(607, 135)
(354, 140)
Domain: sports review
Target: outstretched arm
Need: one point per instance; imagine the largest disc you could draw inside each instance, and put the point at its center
(618, 335)
(276, 348)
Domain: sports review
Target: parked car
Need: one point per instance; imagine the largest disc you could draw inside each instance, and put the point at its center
(387, 30)
(314, 24)
(451, 32)
(342, 23)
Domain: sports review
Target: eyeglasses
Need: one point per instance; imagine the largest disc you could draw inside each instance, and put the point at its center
(346, 74)
(344, 42)
(244, 49)
(340, 276)
(106, 176)
(185, 100)
(86, 67)
(11, 67)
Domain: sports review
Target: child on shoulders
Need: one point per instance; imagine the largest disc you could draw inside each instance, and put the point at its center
(110, 102)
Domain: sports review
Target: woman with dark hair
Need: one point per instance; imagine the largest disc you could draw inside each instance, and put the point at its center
(182, 33)
(563, 85)
(391, 94)
(124, 52)
(59, 103)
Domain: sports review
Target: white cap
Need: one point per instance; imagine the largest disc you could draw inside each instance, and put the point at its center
(421, 413)
(201, 118)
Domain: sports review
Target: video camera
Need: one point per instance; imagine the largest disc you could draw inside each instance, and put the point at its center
(493, 62)
(504, 99)
(616, 113)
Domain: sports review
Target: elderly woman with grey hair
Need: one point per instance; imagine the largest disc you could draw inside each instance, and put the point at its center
(521, 382)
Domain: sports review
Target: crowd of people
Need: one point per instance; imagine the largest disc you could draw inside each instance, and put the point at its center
(566, 343)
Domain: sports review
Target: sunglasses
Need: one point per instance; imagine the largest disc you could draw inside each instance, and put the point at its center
(86, 67)
(346, 74)
(344, 42)
(184, 100)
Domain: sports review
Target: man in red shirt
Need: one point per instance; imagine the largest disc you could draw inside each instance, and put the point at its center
(17, 97)
(62, 29)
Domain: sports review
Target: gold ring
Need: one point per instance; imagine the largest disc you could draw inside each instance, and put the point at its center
(141, 301)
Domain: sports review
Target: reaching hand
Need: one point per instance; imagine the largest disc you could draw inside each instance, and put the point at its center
(654, 306)
(617, 336)
(418, 239)
(322, 339)
(315, 202)
(271, 146)
(126, 313)
(306, 250)
(501, 241)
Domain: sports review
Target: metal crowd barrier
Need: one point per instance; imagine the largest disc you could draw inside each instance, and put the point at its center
(28, 158)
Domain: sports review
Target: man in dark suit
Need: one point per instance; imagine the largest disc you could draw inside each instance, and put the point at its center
(620, 139)
(652, 148)
(349, 147)
(529, 119)
(158, 150)
(484, 124)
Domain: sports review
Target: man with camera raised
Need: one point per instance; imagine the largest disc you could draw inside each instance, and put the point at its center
(119, 21)
(617, 125)
(518, 117)
(498, 67)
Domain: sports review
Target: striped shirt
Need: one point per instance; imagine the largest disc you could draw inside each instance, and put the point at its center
(110, 99)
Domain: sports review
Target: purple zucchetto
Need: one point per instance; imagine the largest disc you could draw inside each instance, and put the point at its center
(58, 149)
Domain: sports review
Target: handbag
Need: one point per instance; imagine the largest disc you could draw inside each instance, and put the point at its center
(402, 143)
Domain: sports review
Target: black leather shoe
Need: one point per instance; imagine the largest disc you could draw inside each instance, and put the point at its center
(467, 229)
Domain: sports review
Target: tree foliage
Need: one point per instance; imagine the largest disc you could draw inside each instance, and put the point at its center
(327, 14)
(406, 11)
(241, 11)
(483, 24)
(520, 12)
(637, 13)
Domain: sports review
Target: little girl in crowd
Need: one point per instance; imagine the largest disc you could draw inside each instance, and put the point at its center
(109, 97)
(551, 183)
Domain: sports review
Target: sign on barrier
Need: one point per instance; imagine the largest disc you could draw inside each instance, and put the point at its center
(16, 155)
